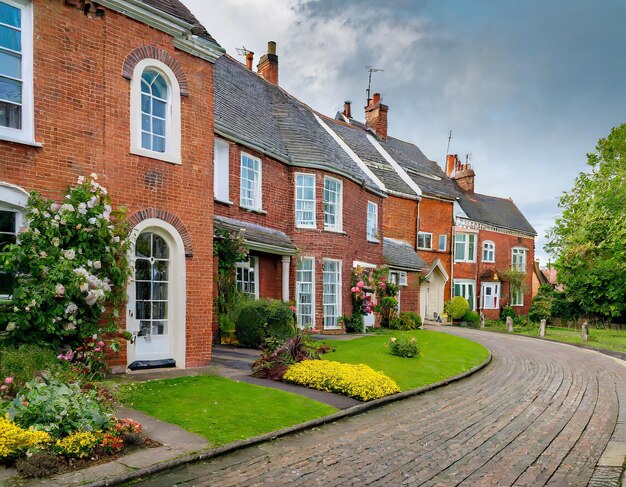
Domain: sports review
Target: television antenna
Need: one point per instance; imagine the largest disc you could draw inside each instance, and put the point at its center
(371, 69)
(242, 51)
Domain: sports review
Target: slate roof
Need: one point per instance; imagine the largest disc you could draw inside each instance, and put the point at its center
(176, 9)
(496, 211)
(267, 118)
(400, 255)
(257, 234)
(425, 173)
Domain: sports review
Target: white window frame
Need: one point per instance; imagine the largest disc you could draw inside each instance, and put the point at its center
(172, 152)
(425, 236)
(251, 264)
(495, 296)
(221, 171)
(25, 134)
(14, 199)
(301, 203)
(516, 291)
(515, 253)
(336, 302)
(372, 222)
(338, 225)
(443, 247)
(489, 247)
(257, 197)
(298, 292)
(464, 285)
(464, 256)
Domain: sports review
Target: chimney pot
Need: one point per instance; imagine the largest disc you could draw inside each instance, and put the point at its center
(271, 47)
(249, 59)
(376, 116)
(347, 109)
(376, 98)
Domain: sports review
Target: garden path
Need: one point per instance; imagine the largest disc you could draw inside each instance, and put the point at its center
(541, 413)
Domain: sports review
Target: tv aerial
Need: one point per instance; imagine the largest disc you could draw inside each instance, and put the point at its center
(371, 69)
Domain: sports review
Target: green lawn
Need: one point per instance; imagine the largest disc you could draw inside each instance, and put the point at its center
(221, 410)
(598, 338)
(441, 356)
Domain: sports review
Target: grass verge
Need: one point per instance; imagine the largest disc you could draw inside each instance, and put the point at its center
(220, 409)
(441, 356)
(598, 338)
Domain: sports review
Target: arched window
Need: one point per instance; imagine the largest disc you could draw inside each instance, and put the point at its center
(489, 251)
(155, 112)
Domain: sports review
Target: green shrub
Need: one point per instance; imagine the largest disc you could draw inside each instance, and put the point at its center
(358, 381)
(406, 320)
(352, 323)
(471, 317)
(507, 311)
(264, 318)
(456, 307)
(403, 347)
(59, 408)
(24, 362)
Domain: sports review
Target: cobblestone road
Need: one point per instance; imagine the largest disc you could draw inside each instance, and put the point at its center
(539, 414)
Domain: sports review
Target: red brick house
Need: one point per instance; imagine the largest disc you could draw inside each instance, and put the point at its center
(419, 208)
(309, 212)
(123, 89)
(491, 237)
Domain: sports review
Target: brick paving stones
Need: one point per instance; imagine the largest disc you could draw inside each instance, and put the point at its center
(541, 413)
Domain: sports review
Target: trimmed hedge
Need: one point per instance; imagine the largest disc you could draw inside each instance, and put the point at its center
(406, 320)
(358, 381)
(263, 319)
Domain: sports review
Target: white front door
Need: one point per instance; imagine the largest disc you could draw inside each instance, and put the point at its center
(150, 297)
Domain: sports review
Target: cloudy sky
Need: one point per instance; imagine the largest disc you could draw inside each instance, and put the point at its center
(527, 87)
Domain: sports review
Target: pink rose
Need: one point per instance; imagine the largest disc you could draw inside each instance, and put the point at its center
(368, 309)
(98, 349)
(3, 387)
(360, 284)
(101, 343)
(8, 380)
(355, 289)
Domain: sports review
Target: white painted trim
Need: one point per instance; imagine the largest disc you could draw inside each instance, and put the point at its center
(431, 240)
(177, 292)
(26, 134)
(466, 281)
(221, 148)
(401, 172)
(338, 227)
(363, 264)
(339, 263)
(438, 265)
(482, 251)
(313, 291)
(258, 190)
(173, 123)
(286, 263)
(492, 285)
(179, 29)
(375, 238)
(351, 154)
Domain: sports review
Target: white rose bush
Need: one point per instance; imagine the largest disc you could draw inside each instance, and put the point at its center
(71, 268)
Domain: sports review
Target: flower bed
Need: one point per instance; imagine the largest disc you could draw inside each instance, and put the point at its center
(358, 381)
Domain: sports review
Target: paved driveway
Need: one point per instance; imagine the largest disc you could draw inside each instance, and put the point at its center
(539, 414)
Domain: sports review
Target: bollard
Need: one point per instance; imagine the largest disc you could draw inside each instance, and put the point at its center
(509, 324)
(542, 328)
(585, 331)
(482, 320)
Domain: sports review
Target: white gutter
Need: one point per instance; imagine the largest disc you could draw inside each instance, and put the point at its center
(401, 172)
(351, 153)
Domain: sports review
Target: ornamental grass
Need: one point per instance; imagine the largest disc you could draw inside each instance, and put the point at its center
(358, 381)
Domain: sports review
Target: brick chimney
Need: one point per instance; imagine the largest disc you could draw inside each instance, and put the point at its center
(463, 174)
(347, 109)
(249, 59)
(268, 64)
(376, 116)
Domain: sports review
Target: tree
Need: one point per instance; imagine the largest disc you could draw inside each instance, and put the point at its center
(588, 241)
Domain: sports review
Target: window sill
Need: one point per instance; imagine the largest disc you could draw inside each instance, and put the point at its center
(340, 232)
(306, 227)
(17, 140)
(253, 210)
(516, 305)
(373, 240)
(159, 156)
(430, 249)
(222, 202)
(326, 328)
(489, 261)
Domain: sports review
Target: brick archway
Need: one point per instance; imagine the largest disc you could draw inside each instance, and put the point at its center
(151, 52)
(170, 218)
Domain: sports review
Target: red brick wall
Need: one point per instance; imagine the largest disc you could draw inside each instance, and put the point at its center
(82, 119)
(279, 213)
(410, 295)
(400, 219)
(436, 217)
